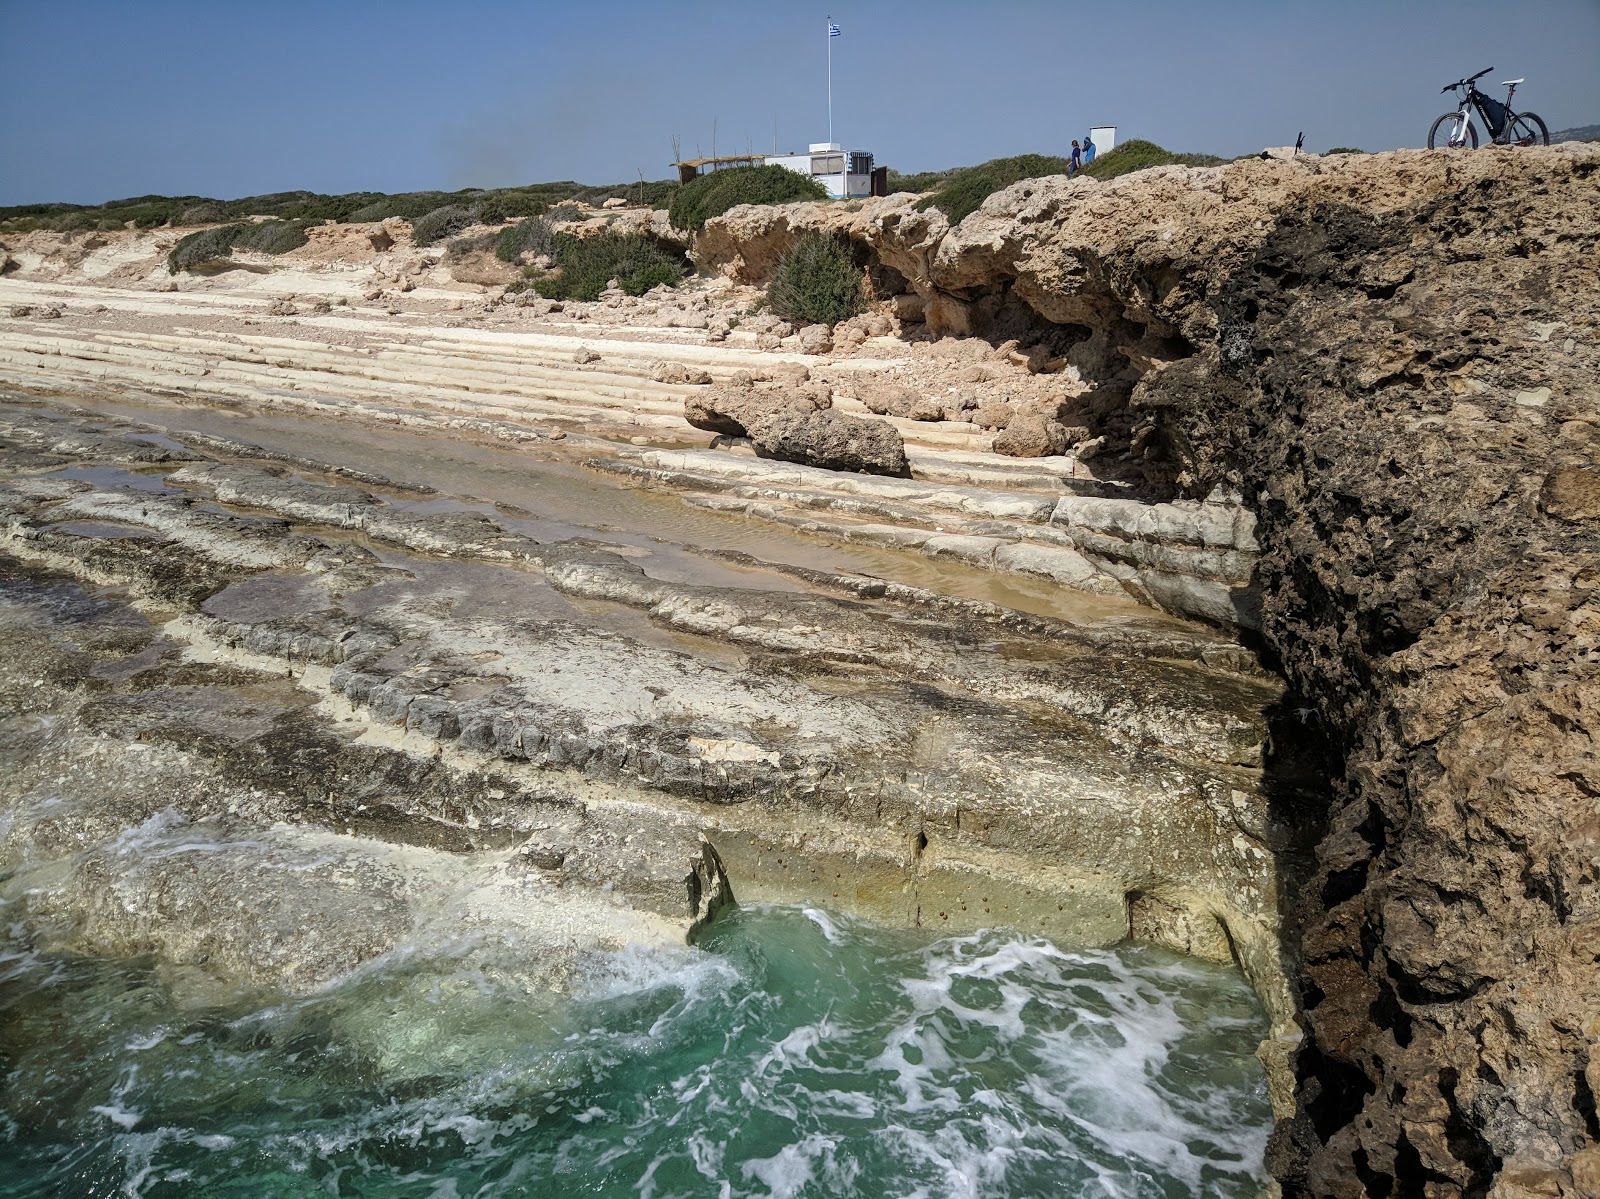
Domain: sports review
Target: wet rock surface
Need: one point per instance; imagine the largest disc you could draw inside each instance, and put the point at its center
(269, 667)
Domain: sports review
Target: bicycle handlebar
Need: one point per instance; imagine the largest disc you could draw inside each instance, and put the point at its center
(1459, 82)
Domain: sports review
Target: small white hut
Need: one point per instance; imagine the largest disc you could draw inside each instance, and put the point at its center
(846, 175)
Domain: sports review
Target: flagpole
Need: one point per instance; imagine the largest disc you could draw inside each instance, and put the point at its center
(828, 32)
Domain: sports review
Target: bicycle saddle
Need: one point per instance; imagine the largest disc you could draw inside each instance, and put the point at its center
(1510, 82)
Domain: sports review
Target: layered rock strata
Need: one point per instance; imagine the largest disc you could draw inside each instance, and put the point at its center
(1348, 401)
(294, 647)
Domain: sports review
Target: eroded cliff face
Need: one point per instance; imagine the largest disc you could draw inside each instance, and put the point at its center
(1394, 359)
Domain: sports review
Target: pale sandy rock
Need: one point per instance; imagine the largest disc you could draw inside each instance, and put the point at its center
(993, 414)
(896, 399)
(678, 372)
(1030, 435)
(816, 339)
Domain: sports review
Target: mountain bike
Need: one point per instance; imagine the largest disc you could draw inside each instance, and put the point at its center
(1455, 130)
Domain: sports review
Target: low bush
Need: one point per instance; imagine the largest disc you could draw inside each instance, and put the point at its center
(272, 237)
(923, 181)
(206, 246)
(408, 207)
(1344, 150)
(565, 212)
(818, 282)
(209, 245)
(963, 191)
(207, 212)
(1138, 155)
(530, 235)
(713, 193)
(586, 266)
(464, 247)
(498, 207)
(441, 223)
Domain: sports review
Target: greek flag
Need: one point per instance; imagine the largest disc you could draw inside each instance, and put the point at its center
(833, 30)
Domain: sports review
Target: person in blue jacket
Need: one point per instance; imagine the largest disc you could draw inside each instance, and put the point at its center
(1088, 149)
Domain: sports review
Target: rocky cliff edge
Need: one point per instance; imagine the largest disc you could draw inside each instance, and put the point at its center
(1395, 359)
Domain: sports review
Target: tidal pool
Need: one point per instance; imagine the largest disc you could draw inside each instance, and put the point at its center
(795, 1053)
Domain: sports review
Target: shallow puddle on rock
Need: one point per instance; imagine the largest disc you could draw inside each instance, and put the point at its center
(111, 477)
(267, 597)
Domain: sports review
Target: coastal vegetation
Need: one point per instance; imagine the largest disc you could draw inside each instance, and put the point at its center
(436, 214)
(818, 282)
(492, 206)
(585, 267)
(213, 245)
(697, 201)
(1138, 155)
(442, 223)
(531, 235)
(959, 193)
(962, 192)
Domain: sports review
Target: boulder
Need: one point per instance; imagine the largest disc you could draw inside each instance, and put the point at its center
(816, 339)
(615, 202)
(896, 399)
(584, 355)
(993, 414)
(734, 406)
(831, 440)
(1030, 435)
(677, 372)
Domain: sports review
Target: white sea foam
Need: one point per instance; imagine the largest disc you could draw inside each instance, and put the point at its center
(822, 920)
(969, 1067)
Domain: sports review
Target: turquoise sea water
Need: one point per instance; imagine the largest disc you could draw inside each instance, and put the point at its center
(794, 1054)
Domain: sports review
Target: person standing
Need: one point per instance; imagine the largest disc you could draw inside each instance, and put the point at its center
(1088, 149)
(1077, 158)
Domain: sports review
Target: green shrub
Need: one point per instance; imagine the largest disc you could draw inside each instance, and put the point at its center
(408, 206)
(501, 206)
(464, 247)
(1344, 150)
(566, 212)
(963, 192)
(924, 181)
(207, 212)
(206, 246)
(272, 237)
(1137, 155)
(712, 194)
(210, 245)
(817, 282)
(588, 264)
(528, 236)
(441, 223)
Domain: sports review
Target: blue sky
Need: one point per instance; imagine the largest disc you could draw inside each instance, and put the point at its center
(104, 100)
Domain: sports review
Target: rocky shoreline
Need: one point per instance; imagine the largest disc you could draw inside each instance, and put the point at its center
(1343, 409)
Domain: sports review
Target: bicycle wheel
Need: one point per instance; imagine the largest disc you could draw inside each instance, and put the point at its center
(1453, 132)
(1527, 129)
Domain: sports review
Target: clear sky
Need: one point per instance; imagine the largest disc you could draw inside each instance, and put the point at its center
(100, 100)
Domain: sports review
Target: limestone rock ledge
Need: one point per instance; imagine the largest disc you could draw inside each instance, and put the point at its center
(1395, 360)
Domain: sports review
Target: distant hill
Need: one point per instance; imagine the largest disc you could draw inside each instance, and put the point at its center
(1578, 133)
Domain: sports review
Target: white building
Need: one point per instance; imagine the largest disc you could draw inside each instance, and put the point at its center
(846, 175)
(1105, 138)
